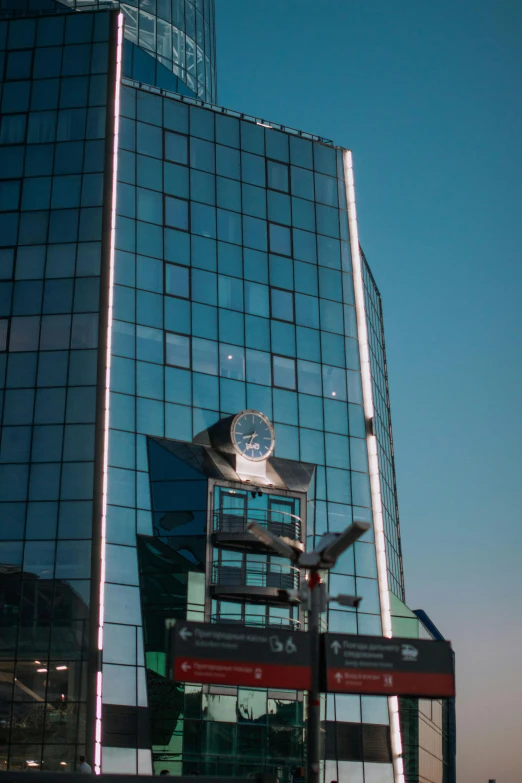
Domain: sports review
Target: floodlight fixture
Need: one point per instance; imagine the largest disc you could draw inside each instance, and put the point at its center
(347, 600)
(270, 540)
(334, 548)
(325, 540)
(309, 560)
(291, 596)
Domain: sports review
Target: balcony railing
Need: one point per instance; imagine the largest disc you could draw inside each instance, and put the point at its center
(257, 621)
(280, 523)
(229, 573)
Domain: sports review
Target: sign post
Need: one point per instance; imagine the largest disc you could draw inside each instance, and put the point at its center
(315, 597)
(308, 660)
(241, 655)
(392, 667)
(259, 657)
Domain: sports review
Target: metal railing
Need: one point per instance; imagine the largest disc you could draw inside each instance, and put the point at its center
(280, 523)
(230, 573)
(256, 620)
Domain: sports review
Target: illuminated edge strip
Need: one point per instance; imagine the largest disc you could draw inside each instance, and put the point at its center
(99, 680)
(373, 461)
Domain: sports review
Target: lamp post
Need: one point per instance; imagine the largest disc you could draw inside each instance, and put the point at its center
(325, 555)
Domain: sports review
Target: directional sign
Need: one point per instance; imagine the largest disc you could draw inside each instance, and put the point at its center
(377, 665)
(240, 655)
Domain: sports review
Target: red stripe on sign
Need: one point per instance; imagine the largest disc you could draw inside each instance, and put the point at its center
(391, 683)
(262, 675)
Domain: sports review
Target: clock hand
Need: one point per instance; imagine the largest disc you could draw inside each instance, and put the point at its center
(250, 442)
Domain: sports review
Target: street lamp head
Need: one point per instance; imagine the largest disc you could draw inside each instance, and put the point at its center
(332, 545)
(270, 540)
(347, 600)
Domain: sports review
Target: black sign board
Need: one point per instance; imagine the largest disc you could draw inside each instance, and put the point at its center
(394, 667)
(241, 655)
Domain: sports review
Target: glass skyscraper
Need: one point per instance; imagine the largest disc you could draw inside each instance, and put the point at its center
(165, 265)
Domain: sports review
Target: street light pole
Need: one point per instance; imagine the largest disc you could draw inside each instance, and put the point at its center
(314, 695)
(324, 557)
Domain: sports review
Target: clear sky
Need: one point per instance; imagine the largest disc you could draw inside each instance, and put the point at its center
(428, 95)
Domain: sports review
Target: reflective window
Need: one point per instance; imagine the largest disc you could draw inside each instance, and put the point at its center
(284, 372)
(177, 281)
(282, 304)
(277, 176)
(177, 350)
(280, 239)
(177, 213)
(176, 147)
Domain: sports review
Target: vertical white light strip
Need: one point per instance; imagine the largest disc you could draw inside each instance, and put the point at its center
(373, 460)
(99, 684)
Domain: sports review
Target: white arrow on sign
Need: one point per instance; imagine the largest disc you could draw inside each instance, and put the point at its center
(338, 676)
(185, 634)
(186, 666)
(335, 646)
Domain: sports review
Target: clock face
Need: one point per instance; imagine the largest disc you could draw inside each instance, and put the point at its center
(252, 435)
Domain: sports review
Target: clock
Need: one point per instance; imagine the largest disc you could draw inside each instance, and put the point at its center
(252, 435)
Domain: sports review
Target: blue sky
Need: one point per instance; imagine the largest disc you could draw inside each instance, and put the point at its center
(427, 95)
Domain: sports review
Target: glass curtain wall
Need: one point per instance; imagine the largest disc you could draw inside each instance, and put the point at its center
(179, 34)
(234, 289)
(383, 431)
(54, 74)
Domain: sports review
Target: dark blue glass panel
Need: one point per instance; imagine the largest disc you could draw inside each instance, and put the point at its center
(277, 176)
(177, 280)
(253, 169)
(176, 213)
(177, 350)
(300, 152)
(176, 148)
(202, 155)
(227, 131)
(284, 372)
(227, 162)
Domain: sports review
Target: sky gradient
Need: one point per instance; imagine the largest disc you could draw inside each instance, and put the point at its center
(428, 97)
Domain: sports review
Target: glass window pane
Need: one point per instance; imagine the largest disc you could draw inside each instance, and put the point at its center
(230, 292)
(204, 356)
(232, 362)
(259, 368)
(177, 350)
(282, 303)
(177, 280)
(334, 382)
(277, 176)
(284, 372)
(73, 559)
(280, 239)
(309, 377)
(176, 213)
(176, 147)
(202, 155)
(24, 334)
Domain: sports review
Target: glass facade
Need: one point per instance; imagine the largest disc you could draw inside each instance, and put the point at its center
(234, 289)
(168, 43)
(55, 77)
(383, 431)
(225, 284)
(178, 34)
